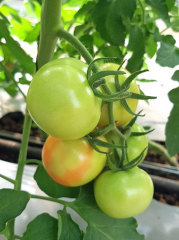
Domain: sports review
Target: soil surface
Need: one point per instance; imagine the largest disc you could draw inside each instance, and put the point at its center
(13, 122)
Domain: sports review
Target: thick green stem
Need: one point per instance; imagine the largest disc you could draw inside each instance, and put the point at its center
(20, 169)
(78, 46)
(50, 24)
(163, 152)
(23, 151)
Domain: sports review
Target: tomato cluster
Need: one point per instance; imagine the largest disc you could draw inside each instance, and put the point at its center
(62, 103)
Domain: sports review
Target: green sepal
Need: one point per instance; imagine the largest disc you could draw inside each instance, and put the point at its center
(90, 67)
(141, 96)
(117, 158)
(113, 97)
(110, 164)
(107, 145)
(131, 77)
(98, 83)
(133, 120)
(134, 162)
(127, 108)
(91, 141)
(118, 87)
(101, 74)
(138, 134)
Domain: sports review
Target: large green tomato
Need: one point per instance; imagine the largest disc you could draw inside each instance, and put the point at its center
(72, 163)
(135, 145)
(121, 116)
(61, 101)
(123, 194)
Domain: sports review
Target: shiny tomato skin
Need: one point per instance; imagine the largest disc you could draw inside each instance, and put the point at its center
(72, 163)
(123, 194)
(61, 101)
(121, 116)
(135, 145)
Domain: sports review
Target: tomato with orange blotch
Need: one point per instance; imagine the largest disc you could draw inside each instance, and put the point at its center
(72, 163)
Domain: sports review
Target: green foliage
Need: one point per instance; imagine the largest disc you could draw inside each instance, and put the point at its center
(168, 53)
(172, 127)
(137, 46)
(42, 227)
(13, 203)
(69, 229)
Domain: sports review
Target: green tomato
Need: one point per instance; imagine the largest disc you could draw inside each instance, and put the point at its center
(121, 116)
(123, 194)
(135, 145)
(72, 163)
(61, 101)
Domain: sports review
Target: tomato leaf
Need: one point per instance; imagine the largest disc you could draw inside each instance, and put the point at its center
(101, 226)
(34, 34)
(136, 36)
(172, 127)
(170, 4)
(16, 50)
(175, 76)
(43, 226)
(69, 229)
(168, 54)
(13, 203)
(52, 188)
(151, 46)
(126, 8)
(113, 51)
(108, 20)
(160, 7)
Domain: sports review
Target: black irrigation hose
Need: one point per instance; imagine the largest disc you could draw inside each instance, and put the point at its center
(14, 147)
(35, 150)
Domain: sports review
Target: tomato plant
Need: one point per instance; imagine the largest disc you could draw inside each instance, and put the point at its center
(72, 163)
(135, 144)
(123, 194)
(121, 116)
(60, 100)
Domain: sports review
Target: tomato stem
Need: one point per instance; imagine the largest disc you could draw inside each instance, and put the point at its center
(51, 199)
(7, 178)
(21, 164)
(50, 24)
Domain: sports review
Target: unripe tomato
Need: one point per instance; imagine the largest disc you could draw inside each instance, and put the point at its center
(61, 101)
(72, 163)
(135, 145)
(123, 194)
(121, 116)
